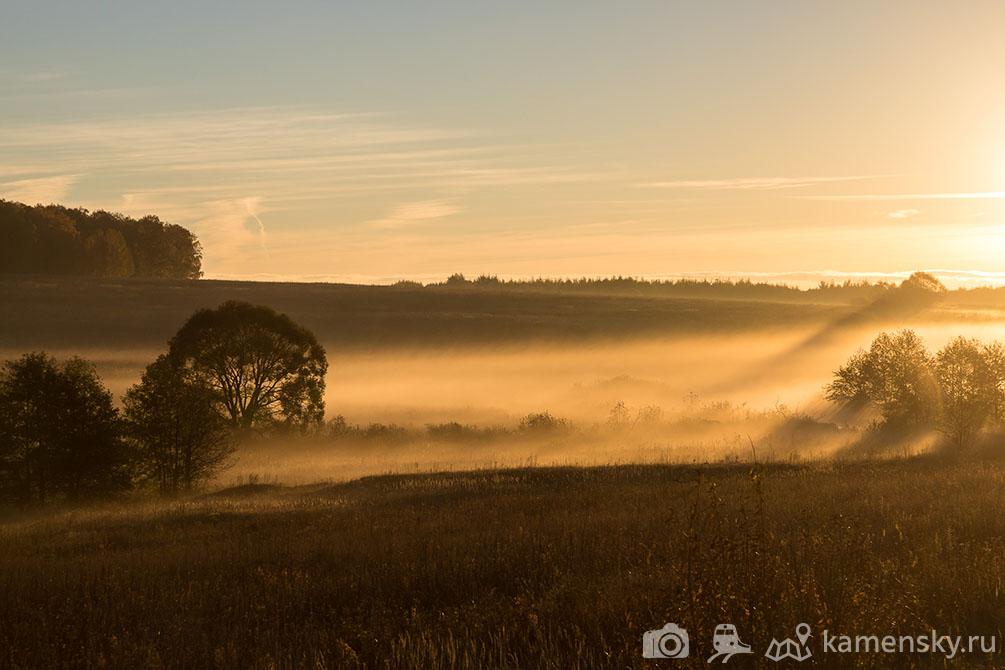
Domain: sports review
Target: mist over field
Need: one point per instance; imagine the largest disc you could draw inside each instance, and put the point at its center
(748, 384)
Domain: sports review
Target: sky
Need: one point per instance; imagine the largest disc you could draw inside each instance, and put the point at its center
(389, 139)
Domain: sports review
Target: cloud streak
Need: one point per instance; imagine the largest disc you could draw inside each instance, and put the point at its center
(40, 190)
(233, 234)
(413, 212)
(227, 173)
(275, 153)
(983, 195)
(758, 183)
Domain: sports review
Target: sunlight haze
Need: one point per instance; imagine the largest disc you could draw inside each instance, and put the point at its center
(369, 142)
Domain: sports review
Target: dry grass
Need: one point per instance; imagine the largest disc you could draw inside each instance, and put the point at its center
(525, 568)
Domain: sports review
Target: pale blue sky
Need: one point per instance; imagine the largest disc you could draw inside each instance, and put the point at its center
(399, 139)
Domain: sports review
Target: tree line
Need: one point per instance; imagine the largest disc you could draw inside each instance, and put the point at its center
(959, 391)
(228, 372)
(52, 239)
(684, 287)
(848, 291)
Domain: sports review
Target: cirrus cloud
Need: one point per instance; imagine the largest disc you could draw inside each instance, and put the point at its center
(411, 212)
(758, 183)
(39, 190)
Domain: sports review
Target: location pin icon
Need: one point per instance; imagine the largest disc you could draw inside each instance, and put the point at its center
(803, 632)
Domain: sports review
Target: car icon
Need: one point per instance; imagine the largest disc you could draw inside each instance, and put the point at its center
(726, 642)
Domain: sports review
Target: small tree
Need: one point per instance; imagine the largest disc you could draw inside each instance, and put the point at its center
(265, 370)
(181, 435)
(59, 433)
(619, 415)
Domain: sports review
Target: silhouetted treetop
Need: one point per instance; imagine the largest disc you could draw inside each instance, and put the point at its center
(176, 424)
(265, 370)
(52, 239)
(923, 281)
(59, 432)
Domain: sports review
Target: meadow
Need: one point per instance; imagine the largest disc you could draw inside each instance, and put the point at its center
(514, 568)
(430, 529)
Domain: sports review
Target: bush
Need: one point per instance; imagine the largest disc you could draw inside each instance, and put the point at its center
(540, 422)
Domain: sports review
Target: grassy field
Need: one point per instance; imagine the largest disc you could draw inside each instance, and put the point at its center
(523, 568)
(554, 567)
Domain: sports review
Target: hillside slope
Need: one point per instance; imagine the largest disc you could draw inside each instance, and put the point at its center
(84, 312)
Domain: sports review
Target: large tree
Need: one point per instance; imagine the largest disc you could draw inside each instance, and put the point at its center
(896, 375)
(181, 435)
(265, 370)
(968, 380)
(59, 432)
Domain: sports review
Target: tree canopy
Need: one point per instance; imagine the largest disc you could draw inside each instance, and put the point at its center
(924, 282)
(895, 374)
(181, 435)
(960, 391)
(264, 369)
(52, 239)
(59, 432)
(969, 375)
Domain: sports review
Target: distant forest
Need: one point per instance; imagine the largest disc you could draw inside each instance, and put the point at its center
(52, 239)
(850, 291)
(58, 240)
(743, 289)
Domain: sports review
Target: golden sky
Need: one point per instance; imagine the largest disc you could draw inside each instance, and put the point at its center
(385, 140)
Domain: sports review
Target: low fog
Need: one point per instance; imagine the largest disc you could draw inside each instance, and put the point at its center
(669, 399)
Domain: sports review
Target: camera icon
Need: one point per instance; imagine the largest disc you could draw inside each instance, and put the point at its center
(668, 642)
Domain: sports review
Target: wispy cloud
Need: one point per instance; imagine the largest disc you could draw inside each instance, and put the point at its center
(411, 212)
(278, 153)
(984, 195)
(758, 183)
(39, 190)
(904, 213)
(233, 234)
(263, 132)
(228, 174)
